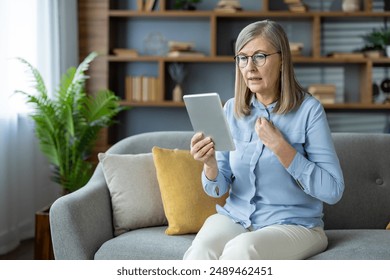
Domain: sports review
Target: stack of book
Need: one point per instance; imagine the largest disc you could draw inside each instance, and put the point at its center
(351, 55)
(326, 93)
(296, 5)
(142, 89)
(180, 49)
(296, 48)
(125, 52)
(228, 6)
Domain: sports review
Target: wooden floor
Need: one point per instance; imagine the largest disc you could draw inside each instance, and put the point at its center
(25, 251)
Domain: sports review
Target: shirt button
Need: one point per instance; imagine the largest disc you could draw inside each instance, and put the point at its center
(379, 181)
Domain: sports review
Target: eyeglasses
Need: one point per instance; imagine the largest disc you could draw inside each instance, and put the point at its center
(258, 59)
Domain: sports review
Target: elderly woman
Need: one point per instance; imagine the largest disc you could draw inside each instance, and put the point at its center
(284, 166)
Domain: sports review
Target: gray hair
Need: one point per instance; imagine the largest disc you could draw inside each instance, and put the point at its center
(291, 93)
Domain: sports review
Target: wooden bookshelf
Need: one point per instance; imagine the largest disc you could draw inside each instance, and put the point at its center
(96, 31)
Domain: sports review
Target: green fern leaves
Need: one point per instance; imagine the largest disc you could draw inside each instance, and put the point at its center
(67, 124)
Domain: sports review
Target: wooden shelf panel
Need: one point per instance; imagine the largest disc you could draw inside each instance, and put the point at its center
(245, 14)
(382, 60)
(113, 58)
(153, 104)
(357, 106)
(329, 60)
(257, 14)
(343, 106)
(360, 14)
(306, 15)
(169, 14)
(296, 59)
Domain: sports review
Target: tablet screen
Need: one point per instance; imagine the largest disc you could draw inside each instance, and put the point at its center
(207, 116)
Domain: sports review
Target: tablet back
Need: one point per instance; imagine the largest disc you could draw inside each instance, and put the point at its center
(207, 116)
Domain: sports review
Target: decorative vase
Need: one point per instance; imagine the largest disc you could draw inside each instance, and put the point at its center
(177, 93)
(351, 5)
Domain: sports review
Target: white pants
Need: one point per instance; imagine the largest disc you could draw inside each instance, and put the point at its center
(222, 238)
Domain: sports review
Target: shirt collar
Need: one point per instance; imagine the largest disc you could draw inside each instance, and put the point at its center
(255, 103)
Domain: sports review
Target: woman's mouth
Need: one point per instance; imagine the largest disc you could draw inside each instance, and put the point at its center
(254, 79)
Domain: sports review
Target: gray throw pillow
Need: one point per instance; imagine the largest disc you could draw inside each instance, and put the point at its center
(135, 194)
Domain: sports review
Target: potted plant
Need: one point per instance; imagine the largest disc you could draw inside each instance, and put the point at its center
(67, 125)
(187, 4)
(376, 42)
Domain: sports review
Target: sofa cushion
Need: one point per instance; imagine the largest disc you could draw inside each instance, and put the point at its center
(186, 204)
(145, 244)
(153, 244)
(365, 202)
(356, 244)
(135, 195)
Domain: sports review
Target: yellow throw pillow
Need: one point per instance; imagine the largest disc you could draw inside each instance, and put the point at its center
(185, 203)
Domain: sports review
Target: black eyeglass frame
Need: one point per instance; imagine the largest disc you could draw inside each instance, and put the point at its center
(237, 59)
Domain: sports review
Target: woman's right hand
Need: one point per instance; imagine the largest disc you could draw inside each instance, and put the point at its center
(202, 149)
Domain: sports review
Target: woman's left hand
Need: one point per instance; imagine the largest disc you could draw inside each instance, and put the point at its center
(273, 139)
(268, 133)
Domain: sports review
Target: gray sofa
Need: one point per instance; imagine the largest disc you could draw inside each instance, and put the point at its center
(82, 225)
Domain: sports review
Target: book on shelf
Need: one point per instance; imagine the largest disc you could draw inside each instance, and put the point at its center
(227, 9)
(346, 55)
(322, 88)
(146, 5)
(128, 88)
(189, 53)
(150, 5)
(296, 5)
(180, 46)
(182, 49)
(293, 2)
(229, 2)
(228, 6)
(299, 8)
(142, 89)
(125, 52)
(326, 93)
(296, 48)
(140, 5)
(325, 99)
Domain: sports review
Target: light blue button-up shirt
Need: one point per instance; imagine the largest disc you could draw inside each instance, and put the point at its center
(262, 191)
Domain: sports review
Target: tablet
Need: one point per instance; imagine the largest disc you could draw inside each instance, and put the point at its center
(207, 116)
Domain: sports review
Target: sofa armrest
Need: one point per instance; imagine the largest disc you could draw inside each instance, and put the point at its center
(81, 221)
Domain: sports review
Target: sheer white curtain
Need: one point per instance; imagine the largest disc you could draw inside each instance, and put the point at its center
(35, 30)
